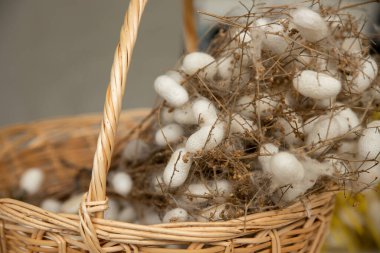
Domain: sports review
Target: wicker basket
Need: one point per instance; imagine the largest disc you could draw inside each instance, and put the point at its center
(63, 147)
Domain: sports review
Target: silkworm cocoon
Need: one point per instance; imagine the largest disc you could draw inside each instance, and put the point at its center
(365, 76)
(206, 138)
(197, 193)
(122, 183)
(291, 128)
(205, 112)
(310, 123)
(167, 115)
(185, 115)
(349, 118)
(171, 91)
(286, 168)
(266, 152)
(177, 169)
(245, 106)
(136, 150)
(158, 183)
(112, 211)
(369, 142)
(168, 134)
(31, 180)
(347, 147)
(303, 59)
(323, 130)
(212, 213)
(352, 45)
(176, 76)
(72, 204)
(51, 205)
(241, 125)
(310, 24)
(150, 217)
(221, 188)
(325, 103)
(314, 168)
(369, 174)
(264, 106)
(176, 215)
(316, 85)
(334, 22)
(226, 67)
(336, 166)
(296, 190)
(196, 61)
(127, 214)
(273, 38)
(242, 37)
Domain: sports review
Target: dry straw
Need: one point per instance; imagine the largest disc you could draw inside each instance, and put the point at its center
(62, 148)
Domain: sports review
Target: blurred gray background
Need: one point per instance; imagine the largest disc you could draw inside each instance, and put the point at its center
(56, 56)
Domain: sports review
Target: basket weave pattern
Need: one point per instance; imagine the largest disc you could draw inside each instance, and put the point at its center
(63, 147)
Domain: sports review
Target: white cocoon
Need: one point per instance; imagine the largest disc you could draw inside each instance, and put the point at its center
(196, 61)
(158, 183)
(127, 214)
(316, 85)
(31, 180)
(310, 123)
(175, 215)
(352, 45)
(72, 204)
(177, 169)
(365, 76)
(212, 213)
(264, 106)
(226, 67)
(167, 115)
(113, 210)
(273, 39)
(51, 205)
(171, 91)
(205, 112)
(369, 174)
(369, 142)
(176, 76)
(197, 193)
(241, 37)
(136, 150)
(266, 152)
(324, 129)
(286, 168)
(241, 125)
(150, 217)
(206, 138)
(349, 118)
(310, 24)
(185, 115)
(221, 188)
(168, 134)
(122, 183)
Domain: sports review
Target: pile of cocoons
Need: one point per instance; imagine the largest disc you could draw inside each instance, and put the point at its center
(279, 107)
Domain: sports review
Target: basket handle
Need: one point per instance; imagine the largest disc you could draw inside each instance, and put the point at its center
(112, 105)
(95, 200)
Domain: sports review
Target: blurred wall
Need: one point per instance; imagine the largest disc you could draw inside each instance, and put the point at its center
(56, 56)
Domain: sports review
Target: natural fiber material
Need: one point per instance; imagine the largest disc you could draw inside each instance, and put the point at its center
(63, 148)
